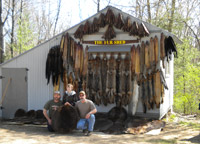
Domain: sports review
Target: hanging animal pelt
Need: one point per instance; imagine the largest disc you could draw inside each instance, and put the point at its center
(79, 32)
(137, 62)
(134, 29)
(110, 17)
(86, 28)
(96, 86)
(111, 79)
(104, 69)
(162, 49)
(126, 81)
(156, 53)
(118, 96)
(170, 48)
(85, 62)
(110, 33)
(127, 25)
(142, 60)
(133, 61)
(54, 64)
(119, 22)
(143, 31)
(101, 20)
(152, 55)
(95, 26)
(158, 89)
(90, 76)
(147, 57)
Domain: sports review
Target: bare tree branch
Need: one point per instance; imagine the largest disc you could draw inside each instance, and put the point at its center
(57, 16)
(196, 37)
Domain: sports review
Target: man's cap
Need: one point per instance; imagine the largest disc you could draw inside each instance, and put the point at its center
(82, 92)
(56, 92)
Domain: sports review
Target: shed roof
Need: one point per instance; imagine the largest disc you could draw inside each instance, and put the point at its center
(151, 28)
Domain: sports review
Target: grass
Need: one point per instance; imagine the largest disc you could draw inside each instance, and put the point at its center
(191, 125)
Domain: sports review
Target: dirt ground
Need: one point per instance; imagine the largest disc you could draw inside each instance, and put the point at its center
(11, 133)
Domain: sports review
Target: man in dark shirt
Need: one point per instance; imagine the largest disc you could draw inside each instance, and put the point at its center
(50, 106)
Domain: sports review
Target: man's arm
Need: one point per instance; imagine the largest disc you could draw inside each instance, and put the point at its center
(46, 116)
(91, 112)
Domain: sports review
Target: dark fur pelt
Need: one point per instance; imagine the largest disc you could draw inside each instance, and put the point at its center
(117, 114)
(64, 119)
(170, 48)
(54, 65)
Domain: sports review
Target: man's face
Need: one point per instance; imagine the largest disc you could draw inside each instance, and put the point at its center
(82, 96)
(56, 97)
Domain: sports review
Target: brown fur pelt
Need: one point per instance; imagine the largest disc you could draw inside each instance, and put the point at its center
(64, 119)
(101, 20)
(95, 26)
(110, 33)
(110, 17)
(119, 22)
(111, 80)
(96, 86)
(104, 69)
(144, 128)
(117, 114)
(86, 28)
(143, 31)
(79, 32)
(134, 29)
(127, 25)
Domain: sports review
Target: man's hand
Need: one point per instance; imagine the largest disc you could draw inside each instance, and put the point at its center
(67, 103)
(49, 121)
(87, 116)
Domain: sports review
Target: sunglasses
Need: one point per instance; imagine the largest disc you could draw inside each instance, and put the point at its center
(81, 95)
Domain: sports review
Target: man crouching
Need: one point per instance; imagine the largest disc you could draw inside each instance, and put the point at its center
(86, 110)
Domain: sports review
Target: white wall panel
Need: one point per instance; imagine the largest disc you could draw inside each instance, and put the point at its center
(35, 61)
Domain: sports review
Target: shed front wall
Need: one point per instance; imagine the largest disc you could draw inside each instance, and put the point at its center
(35, 61)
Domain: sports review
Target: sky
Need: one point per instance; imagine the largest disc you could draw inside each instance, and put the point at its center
(79, 10)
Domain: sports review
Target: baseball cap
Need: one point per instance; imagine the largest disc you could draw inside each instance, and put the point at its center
(82, 92)
(56, 92)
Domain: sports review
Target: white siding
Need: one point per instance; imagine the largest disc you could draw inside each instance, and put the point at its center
(35, 61)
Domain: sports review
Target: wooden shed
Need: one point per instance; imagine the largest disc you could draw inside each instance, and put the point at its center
(117, 59)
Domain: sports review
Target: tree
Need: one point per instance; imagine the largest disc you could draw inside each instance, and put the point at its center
(25, 36)
(2, 22)
(187, 79)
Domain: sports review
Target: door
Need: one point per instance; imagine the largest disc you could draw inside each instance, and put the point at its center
(16, 96)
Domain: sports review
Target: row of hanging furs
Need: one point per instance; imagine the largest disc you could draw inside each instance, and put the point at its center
(134, 29)
(109, 80)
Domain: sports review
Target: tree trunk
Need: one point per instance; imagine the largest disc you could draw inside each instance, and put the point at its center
(58, 12)
(12, 30)
(1, 34)
(171, 19)
(149, 11)
(20, 23)
(98, 5)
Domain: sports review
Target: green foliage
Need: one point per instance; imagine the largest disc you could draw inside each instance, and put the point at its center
(191, 125)
(172, 117)
(25, 35)
(187, 79)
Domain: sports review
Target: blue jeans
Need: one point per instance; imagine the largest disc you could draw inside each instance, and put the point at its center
(84, 123)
